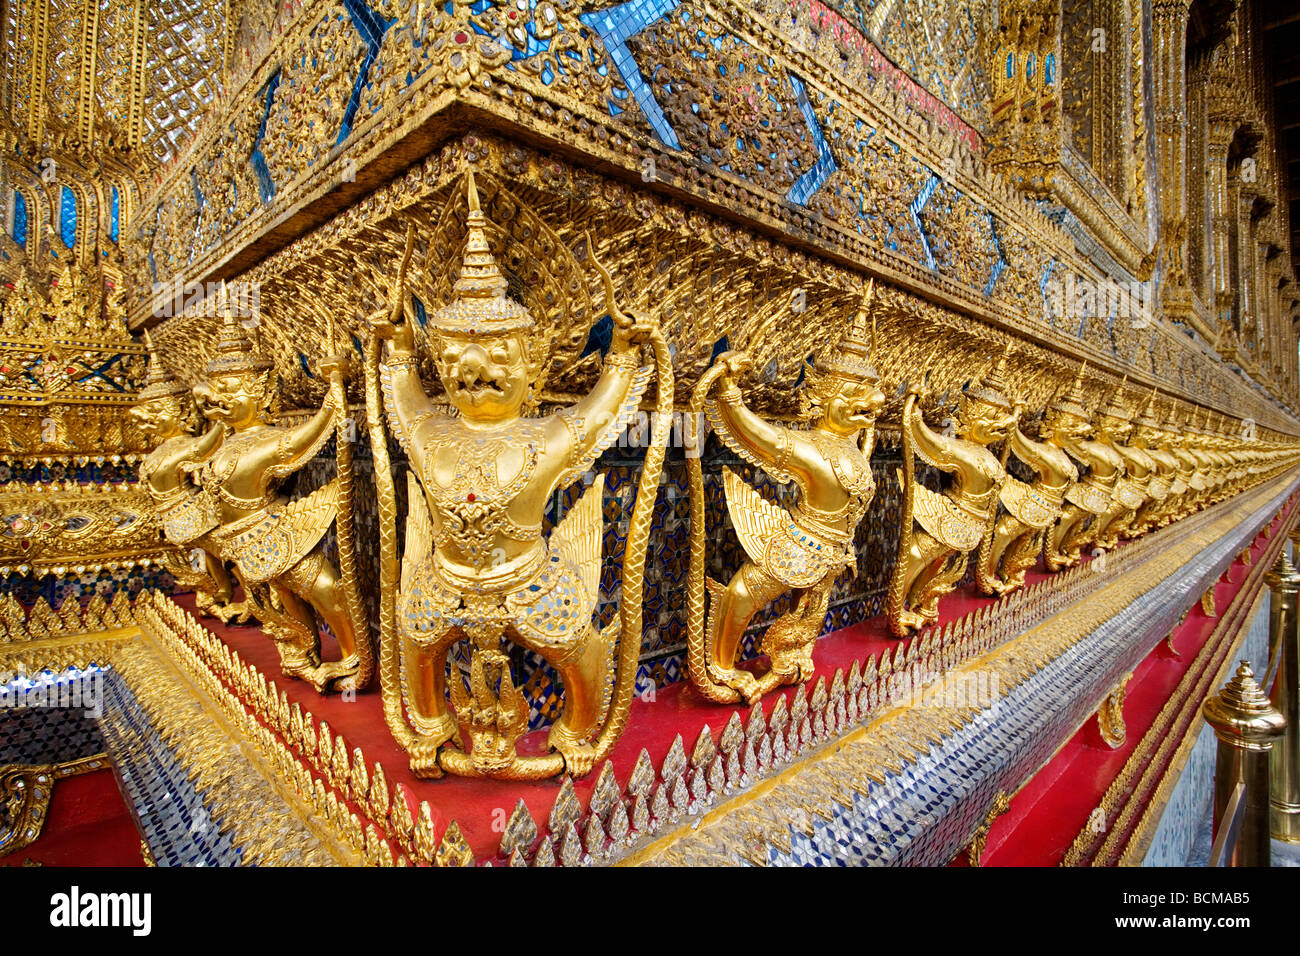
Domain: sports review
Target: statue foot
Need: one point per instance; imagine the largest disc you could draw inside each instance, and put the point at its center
(776, 678)
(742, 682)
(578, 758)
(908, 622)
(301, 668)
(238, 611)
(337, 675)
(424, 759)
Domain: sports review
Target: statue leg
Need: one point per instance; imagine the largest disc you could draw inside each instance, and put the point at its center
(1021, 555)
(1084, 534)
(224, 591)
(940, 578)
(316, 581)
(587, 672)
(1054, 547)
(292, 625)
(730, 610)
(789, 640)
(1143, 520)
(990, 572)
(1109, 527)
(921, 561)
(425, 674)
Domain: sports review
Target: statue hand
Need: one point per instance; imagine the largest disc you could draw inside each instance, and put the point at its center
(631, 329)
(734, 363)
(399, 333)
(333, 366)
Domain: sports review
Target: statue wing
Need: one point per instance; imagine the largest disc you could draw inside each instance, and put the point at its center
(1028, 504)
(579, 535)
(944, 520)
(582, 461)
(1089, 497)
(729, 439)
(766, 532)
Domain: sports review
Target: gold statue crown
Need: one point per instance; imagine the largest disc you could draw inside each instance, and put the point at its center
(993, 388)
(1072, 402)
(1171, 422)
(159, 384)
(1147, 416)
(481, 306)
(851, 358)
(1117, 407)
(236, 352)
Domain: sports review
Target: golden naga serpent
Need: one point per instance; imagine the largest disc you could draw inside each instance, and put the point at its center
(347, 538)
(697, 651)
(897, 596)
(631, 610)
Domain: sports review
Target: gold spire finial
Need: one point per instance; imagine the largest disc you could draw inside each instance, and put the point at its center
(158, 384)
(1117, 407)
(479, 276)
(1072, 402)
(480, 306)
(236, 352)
(851, 358)
(993, 388)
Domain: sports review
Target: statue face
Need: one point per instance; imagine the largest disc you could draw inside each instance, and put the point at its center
(159, 418)
(852, 406)
(984, 423)
(235, 400)
(1116, 428)
(1064, 427)
(1146, 435)
(486, 376)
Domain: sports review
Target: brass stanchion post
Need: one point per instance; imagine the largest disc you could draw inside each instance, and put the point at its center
(1284, 649)
(1246, 724)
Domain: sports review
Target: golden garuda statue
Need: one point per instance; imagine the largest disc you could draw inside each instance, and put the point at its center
(1011, 545)
(1090, 498)
(185, 512)
(1157, 441)
(803, 548)
(478, 566)
(940, 530)
(1209, 464)
(1113, 426)
(276, 544)
(1180, 432)
(1159, 480)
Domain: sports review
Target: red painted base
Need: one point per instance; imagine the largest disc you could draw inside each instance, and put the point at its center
(482, 807)
(89, 825)
(1051, 809)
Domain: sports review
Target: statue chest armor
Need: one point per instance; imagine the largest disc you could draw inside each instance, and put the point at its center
(1056, 474)
(150, 468)
(546, 594)
(219, 469)
(471, 499)
(1139, 466)
(271, 534)
(184, 513)
(852, 471)
(979, 503)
